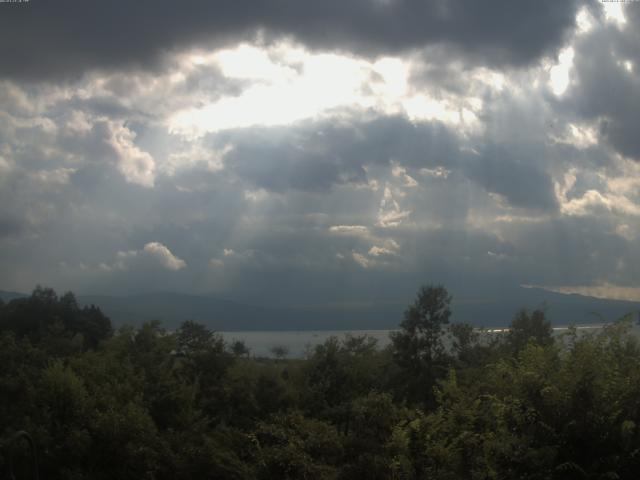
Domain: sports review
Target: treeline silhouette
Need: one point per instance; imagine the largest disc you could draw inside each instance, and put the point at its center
(442, 401)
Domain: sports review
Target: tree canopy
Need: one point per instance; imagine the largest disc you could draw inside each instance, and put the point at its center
(418, 346)
(446, 403)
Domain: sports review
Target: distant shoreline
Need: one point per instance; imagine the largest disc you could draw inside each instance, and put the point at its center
(298, 343)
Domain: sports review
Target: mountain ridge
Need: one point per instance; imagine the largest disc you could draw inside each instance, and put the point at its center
(172, 308)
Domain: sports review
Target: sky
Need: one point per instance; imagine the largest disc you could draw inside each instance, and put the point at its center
(320, 153)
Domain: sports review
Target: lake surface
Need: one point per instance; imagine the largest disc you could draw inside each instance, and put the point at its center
(299, 343)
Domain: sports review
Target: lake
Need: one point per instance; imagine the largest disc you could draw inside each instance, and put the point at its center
(299, 342)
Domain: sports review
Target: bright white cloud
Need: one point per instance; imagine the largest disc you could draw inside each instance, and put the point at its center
(152, 257)
(279, 94)
(438, 172)
(195, 154)
(614, 12)
(361, 260)
(136, 165)
(616, 195)
(400, 172)
(152, 254)
(252, 63)
(288, 84)
(355, 230)
(164, 256)
(559, 74)
(376, 251)
(389, 213)
(579, 136)
(584, 21)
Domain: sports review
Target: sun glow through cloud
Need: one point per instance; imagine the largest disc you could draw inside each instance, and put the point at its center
(559, 77)
(289, 84)
(280, 94)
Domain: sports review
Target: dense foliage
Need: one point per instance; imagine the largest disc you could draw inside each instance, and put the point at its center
(443, 401)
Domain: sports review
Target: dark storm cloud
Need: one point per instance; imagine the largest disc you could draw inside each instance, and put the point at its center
(10, 227)
(573, 250)
(67, 37)
(514, 176)
(283, 166)
(316, 157)
(604, 90)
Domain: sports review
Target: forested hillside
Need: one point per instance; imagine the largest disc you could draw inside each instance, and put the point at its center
(144, 403)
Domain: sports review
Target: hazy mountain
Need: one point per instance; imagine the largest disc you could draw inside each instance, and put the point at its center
(173, 308)
(561, 309)
(8, 296)
(220, 314)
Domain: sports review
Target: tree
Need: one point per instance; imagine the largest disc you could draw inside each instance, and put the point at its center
(527, 327)
(463, 336)
(194, 338)
(418, 347)
(240, 349)
(94, 326)
(279, 351)
(58, 320)
(291, 446)
(369, 448)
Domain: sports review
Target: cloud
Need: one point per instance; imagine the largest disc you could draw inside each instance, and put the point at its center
(361, 260)
(108, 35)
(163, 256)
(152, 255)
(605, 89)
(595, 202)
(520, 180)
(355, 230)
(216, 263)
(11, 227)
(136, 165)
(443, 154)
(389, 213)
(438, 172)
(52, 178)
(317, 155)
(401, 172)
